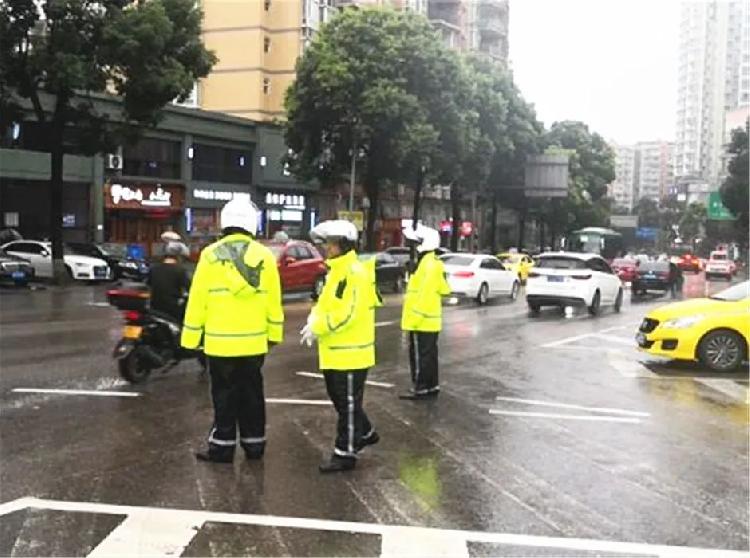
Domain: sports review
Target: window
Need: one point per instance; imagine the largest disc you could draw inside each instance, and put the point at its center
(152, 157)
(491, 264)
(300, 252)
(267, 5)
(267, 44)
(25, 248)
(266, 86)
(561, 262)
(222, 164)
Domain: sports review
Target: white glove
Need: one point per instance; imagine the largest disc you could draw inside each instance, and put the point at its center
(308, 337)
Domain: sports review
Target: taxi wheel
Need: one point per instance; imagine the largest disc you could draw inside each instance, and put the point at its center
(722, 350)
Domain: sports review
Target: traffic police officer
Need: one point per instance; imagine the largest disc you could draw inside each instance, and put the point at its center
(343, 322)
(422, 315)
(235, 307)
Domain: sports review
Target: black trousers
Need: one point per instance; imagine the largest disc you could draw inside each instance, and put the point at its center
(423, 361)
(237, 393)
(347, 392)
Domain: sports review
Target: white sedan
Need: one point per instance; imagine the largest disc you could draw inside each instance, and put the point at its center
(573, 279)
(479, 277)
(84, 268)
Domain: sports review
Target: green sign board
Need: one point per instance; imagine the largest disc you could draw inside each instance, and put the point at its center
(717, 211)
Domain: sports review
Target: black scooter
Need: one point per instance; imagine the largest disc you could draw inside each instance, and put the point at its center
(150, 340)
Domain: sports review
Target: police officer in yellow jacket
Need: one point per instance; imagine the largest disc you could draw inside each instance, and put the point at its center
(343, 322)
(235, 308)
(422, 315)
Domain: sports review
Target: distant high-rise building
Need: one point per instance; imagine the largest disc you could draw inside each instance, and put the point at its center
(479, 26)
(713, 78)
(622, 190)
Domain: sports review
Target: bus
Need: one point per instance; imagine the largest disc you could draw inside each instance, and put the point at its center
(596, 240)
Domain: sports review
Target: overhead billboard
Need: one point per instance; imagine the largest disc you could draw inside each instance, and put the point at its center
(546, 176)
(624, 221)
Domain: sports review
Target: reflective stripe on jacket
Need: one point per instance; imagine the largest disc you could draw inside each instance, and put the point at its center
(423, 305)
(235, 299)
(344, 317)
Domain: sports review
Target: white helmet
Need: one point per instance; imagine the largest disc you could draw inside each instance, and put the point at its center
(329, 230)
(428, 238)
(241, 213)
(170, 236)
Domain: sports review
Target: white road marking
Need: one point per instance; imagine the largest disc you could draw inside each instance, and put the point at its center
(299, 401)
(149, 534)
(79, 392)
(566, 340)
(416, 542)
(615, 339)
(368, 382)
(615, 328)
(564, 417)
(99, 304)
(198, 517)
(383, 324)
(577, 407)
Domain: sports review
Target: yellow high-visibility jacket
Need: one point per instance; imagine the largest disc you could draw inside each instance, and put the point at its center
(343, 320)
(235, 299)
(423, 305)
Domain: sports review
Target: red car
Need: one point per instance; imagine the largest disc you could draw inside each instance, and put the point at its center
(301, 266)
(689, 262)
(627, 270)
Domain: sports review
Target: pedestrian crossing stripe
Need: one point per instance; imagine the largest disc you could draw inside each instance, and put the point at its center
(167, 532)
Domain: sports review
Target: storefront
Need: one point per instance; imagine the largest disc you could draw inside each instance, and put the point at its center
(287, 211)
(139, 212)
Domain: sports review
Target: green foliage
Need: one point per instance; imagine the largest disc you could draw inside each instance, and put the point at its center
(693, 221)
(648, 213)
(735, 192)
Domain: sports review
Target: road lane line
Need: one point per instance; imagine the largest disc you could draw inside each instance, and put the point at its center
(299, 401)
(577, 407)
(78, 392)
(615, 328)
(368, 382)
(564, 417)
(415, 542)
(567, 340)
(384, 324)
(546, 542)
(148, 534)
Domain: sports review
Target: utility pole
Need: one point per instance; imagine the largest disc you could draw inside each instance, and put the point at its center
(352, 179)
(415, 215)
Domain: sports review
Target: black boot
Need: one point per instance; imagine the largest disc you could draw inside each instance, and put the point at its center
(412, 396)
(215, 457)
(338, 464)
(254, 453)
(370, 440)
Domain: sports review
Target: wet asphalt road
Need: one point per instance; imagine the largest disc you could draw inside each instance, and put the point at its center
(661, 459)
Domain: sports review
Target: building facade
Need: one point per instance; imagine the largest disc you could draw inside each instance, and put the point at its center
(623, 190)
(643, 170)
(713, 77)
(175, 177)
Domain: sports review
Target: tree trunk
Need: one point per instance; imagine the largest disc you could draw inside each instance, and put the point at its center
(542, 239)
(372, 186)
(57, 153)
(493, 225)
(456, 212)
(415, 218)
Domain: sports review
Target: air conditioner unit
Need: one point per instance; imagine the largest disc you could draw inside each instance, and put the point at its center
(114, 161)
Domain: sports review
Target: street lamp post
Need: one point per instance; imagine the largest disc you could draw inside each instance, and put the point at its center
(352, 178)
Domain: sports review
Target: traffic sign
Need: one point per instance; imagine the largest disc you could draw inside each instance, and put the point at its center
(717, 211)
(355, 217)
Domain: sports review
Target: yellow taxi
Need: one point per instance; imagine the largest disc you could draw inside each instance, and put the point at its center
(520, 264)
(714, 331)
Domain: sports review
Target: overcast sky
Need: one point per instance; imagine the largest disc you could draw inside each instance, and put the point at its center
(610, 63)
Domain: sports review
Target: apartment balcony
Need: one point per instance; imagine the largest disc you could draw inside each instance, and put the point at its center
(493, 27)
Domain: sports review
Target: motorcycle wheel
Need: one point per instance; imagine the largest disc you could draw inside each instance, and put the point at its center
(133, 369)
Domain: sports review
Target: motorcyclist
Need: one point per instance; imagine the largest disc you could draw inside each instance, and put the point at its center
(169, 282)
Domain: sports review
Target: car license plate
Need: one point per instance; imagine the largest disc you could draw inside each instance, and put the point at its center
(132, 332)
(555, 279)
(18, 275)
(640, 338)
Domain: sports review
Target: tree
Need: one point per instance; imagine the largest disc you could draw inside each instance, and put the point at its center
(734, 190)
(648, 213)
(380, 82)
(693, 222)
(55, 54)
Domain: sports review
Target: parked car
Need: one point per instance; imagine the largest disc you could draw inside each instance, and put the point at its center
(658, 276)
(301, 266)
(480, 277)
(15, 270)
(39, 253)
(573, 279)
(389, 273)
(625, 268)
(689, 262)
(719, 265)
(714, 330)
(116, 257)
(521, 264)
